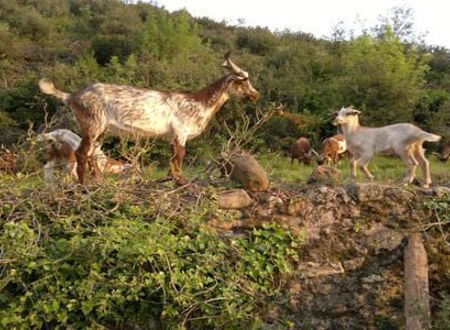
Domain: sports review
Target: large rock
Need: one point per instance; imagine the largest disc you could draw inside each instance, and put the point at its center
(379, 237)
(247, 171)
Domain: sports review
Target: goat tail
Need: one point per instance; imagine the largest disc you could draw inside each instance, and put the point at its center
(430, 137)
(48, 87)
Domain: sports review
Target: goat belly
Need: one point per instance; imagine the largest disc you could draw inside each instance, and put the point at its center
(147, 123)
(149, 129)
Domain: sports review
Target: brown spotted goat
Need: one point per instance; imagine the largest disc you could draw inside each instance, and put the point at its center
(302, 151)
(61, 146)
(177, 116)
(332, 148)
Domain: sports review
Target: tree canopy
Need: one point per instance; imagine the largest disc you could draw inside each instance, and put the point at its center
(387, 72)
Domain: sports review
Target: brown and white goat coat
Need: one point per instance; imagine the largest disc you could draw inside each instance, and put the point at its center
(177, 116)
(61, 147)
(332, 148)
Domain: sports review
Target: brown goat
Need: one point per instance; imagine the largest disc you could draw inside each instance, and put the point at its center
(445, 153)
(332, 148)
(301, 150)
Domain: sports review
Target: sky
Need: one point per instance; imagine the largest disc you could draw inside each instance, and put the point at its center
(318, 17)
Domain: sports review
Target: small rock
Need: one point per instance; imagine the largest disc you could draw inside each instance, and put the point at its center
(247, 171)
(224, 226)
(274, 202)
(288, 220)
(323, 189)
(353, 264)
(234, 199)
(313, 269)
(371, 279)
(233, 214)
(298, 205)
(323, 174)
(441, 191)
(263, 213)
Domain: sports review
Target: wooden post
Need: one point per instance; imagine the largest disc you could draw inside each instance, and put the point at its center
(417, 302)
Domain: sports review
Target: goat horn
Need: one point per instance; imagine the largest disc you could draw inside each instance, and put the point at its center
(229, 64)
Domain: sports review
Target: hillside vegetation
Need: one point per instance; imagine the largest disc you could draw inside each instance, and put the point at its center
(387, 72)
(139, 252)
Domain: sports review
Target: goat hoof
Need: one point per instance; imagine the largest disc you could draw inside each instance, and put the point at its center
(181, 181)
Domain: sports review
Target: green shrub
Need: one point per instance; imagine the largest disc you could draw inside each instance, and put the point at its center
(82, 260)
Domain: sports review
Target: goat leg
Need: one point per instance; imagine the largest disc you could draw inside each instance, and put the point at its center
(353, 163)
(412, 163)
(364, 163)
(176, 163)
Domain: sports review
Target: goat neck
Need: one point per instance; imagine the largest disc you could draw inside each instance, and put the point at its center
(351, 126)
(213, 96)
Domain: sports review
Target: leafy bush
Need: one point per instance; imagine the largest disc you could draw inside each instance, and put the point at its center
(112, 258)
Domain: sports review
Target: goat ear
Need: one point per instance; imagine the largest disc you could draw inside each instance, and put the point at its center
(238, 77)
(353, 112)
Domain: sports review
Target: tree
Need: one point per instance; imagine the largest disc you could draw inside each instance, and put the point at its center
(382, 77)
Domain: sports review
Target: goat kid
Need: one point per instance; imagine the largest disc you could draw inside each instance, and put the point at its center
(404, 140)
(332, 148)
(61, 148)
(177, 116)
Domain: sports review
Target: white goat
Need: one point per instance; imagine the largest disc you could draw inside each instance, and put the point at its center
(61, 146)
(403, 139)
(177, 116)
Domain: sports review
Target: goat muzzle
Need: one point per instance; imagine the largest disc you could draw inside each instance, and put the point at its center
(254, 96)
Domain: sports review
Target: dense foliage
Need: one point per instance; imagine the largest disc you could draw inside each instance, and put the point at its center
(116, 257)
(386, 72)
